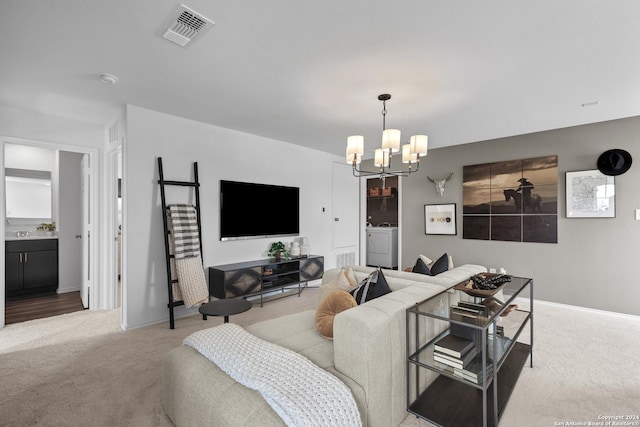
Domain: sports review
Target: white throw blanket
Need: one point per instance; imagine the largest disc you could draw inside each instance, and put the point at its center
(299, 391)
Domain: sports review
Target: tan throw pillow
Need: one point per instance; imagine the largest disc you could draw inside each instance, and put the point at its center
(340, 282)
(351, 277)
(334, 303)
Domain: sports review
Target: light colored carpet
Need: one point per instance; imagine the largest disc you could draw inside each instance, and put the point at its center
(80, 369)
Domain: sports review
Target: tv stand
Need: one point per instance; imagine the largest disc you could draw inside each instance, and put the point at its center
(253, 278)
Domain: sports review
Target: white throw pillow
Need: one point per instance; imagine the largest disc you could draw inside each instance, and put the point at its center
(427, 261)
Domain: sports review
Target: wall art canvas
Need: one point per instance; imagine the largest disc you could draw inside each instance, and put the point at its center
(440, 219)
(515, 200)
(590, 194)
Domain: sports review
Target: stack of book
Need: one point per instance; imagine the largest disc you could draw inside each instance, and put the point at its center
(473, 370)
(454, 351)
(460, 349)
(470, 313)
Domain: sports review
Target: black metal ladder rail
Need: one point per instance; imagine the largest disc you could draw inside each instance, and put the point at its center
(168, 255)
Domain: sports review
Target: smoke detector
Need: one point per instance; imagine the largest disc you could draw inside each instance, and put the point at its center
(109, 79)
(185, 25)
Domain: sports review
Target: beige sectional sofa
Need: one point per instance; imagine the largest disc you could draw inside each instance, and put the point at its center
(368, 353)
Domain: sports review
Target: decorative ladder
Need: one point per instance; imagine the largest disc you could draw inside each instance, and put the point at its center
(195, 184)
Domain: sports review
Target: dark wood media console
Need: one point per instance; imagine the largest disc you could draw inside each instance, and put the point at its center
(257, 277)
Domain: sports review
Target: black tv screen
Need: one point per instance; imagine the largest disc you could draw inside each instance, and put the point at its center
(249, 210)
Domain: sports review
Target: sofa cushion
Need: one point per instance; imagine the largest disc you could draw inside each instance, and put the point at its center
(334, 303)
(373, 286)
(297, 332)
(189, 398)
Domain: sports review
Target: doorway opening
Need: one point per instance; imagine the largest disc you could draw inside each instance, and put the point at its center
(72, 247)
(382, 222)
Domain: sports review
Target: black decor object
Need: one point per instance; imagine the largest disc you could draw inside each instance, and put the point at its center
(614, 162)
(484, 281)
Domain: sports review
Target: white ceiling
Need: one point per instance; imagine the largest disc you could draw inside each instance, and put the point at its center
(309, 72)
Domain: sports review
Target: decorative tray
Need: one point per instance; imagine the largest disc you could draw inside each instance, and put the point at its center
(469, 289)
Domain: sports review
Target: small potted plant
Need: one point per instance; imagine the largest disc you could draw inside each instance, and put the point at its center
(47, 228)
(278, 250)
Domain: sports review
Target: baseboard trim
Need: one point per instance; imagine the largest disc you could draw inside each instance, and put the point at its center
(525, 303)
(187, 313)
(67, 290)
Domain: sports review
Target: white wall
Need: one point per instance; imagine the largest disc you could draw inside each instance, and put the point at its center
(19, 123)
(33, 158)
(221, 154)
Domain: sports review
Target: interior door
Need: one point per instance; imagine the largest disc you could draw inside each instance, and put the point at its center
(87, 231)
(345, 204)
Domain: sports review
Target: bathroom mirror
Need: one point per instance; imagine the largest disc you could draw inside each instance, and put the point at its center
(28, 194)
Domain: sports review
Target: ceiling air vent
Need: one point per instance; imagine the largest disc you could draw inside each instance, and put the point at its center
(185, 25)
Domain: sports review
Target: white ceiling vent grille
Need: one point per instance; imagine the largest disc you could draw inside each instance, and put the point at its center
(185, 25)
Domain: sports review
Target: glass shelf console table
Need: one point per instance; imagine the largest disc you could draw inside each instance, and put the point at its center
(464, 375)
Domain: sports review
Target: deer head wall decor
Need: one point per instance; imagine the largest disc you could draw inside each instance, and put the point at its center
(440, 183)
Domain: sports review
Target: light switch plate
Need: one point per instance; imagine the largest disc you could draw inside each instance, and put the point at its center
(637, 214)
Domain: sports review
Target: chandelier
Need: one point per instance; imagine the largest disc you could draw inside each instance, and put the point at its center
(411, 152)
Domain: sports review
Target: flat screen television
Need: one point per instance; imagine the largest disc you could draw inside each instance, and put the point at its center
(251, 211)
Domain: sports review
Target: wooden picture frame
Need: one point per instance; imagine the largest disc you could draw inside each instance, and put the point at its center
(590, 194)
(440, 219)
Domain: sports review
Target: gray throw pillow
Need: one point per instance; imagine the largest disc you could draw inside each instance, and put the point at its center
(440, 265)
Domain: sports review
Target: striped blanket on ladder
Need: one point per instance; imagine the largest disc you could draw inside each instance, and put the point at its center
(185, 246)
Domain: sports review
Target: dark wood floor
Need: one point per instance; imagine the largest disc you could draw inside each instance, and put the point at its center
(44, 306)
